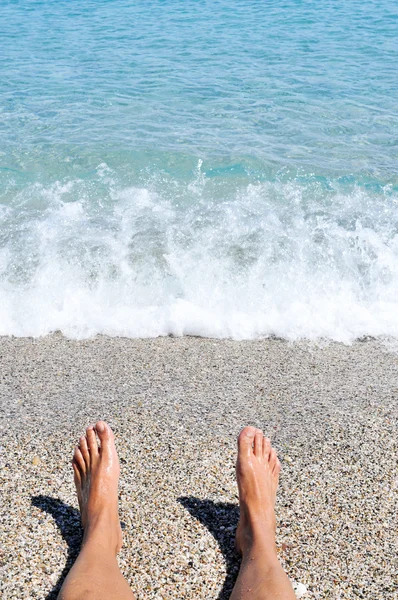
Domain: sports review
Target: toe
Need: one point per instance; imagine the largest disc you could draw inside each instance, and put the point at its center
(272, 459)
(92, 443)
(277, 467)
(78, 460)
(106, 436)
(84, 450)
(258, 443)
(246, 440)
(266, 449)
(77, 473)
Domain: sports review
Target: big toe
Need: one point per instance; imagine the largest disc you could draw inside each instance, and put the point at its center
(246, 440)
(106, 436)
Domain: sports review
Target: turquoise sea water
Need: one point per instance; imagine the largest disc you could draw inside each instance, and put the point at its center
(215, 168)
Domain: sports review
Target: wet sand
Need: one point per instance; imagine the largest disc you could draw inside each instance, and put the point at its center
(177, 405)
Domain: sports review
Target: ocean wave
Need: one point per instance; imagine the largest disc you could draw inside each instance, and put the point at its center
(211, 257)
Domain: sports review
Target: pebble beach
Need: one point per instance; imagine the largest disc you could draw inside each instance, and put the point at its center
(176, 406)
(199, 232)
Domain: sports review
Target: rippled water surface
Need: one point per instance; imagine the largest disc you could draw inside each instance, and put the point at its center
(212, 168)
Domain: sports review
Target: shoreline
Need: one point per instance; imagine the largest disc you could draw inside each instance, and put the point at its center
(176, 405)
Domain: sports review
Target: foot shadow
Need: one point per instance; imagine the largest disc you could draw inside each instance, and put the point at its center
(67, 519)
(221, 519)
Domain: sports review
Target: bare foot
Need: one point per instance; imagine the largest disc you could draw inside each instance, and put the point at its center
(96, 470)
(257, 474)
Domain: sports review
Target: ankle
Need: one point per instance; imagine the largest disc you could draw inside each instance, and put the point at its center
(101, 541)
(259, 545)
(257, 536)
(104, 532)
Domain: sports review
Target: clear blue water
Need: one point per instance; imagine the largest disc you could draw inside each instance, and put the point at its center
(214, 168)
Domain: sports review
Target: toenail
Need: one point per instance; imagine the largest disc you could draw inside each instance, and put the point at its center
(101, 427)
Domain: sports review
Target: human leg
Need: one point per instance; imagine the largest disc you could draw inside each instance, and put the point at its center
(95, 574)
(261, 576)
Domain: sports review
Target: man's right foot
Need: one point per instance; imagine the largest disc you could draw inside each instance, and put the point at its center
(257, 474)
(96, 470)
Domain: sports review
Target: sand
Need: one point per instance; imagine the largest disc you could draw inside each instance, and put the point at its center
(177, 406)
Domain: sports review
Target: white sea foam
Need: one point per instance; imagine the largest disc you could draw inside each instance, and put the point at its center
(286, 259)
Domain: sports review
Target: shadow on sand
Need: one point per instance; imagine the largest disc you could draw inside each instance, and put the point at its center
(67, 519)
(221, 519)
